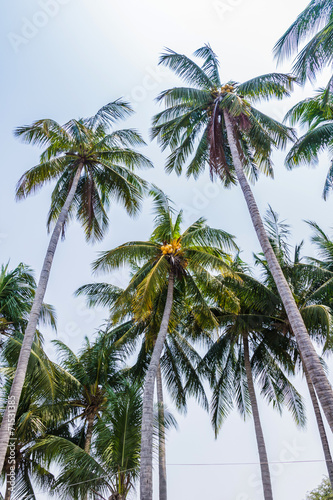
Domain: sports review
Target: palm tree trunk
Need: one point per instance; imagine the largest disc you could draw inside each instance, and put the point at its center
(8, 492)
(146, 467)
(87, 442)
(161, 437)
(90, 427)
(321, 428)
(265, 474)
(17, 385)
(309, 355)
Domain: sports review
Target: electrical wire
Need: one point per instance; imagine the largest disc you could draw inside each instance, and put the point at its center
(228, 464)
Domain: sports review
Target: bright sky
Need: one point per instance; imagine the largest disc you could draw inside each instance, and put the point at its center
(64, 59)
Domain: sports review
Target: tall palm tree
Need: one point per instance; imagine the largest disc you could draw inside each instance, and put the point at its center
(22, 471)
(178, 364)
(210, 123)
(92, 166)
(316, 114)
(312, 288)
(315, 24)
(169, 256)
(251, 350)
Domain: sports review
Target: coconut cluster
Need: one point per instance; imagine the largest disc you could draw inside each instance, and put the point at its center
(227, 88)
(171, 248)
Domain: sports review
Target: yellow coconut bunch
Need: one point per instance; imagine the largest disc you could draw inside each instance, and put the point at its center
(227, 88)
(170, 248)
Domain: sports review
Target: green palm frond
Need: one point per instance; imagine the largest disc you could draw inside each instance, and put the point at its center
(309, 146)
(192, 125)
(265, 87)
(131, 251)
(110, 113)
(107, 160)
(185, 68)
(151, 286)
(211, 63)
(310, 20)
(315, 55)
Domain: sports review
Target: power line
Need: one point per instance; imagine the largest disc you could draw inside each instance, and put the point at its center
(252, 463)
(219, 464)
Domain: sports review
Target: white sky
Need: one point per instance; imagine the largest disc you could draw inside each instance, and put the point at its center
(64, 59)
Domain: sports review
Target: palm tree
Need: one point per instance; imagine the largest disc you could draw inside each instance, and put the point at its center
(110, 468)
(92, 166)
(249, 350)
(314, 23)
(214, 124)
(315, 113)
(89, 374)
(34, 417)
(179, 361)
(312, 288)
(17, 290)
(169, 256)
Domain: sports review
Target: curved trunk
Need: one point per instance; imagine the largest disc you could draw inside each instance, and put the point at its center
(161, 438)
(17, 385)
(146, 468)
(309, 355)
(265, 474)
(321, 428)
(8, 493)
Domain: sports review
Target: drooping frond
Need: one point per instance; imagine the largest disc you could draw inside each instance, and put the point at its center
(133, 251)
(309, 21)
(315, 55)
(307, 148)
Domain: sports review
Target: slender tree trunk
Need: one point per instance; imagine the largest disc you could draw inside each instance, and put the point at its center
(309, 355)
(17, 385)
(90, 427)
(161, 438)
(265, 474)
(8, 493)
(321, 428)
(87, 442)
(146, 468)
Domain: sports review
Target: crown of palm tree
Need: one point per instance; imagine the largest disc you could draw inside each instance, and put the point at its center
(190, 255)
(105, 156)
(192, 124)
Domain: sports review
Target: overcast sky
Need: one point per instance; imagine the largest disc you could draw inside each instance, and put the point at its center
(65, 59)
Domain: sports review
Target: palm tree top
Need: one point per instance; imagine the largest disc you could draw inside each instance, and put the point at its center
(190, 255)
(167, 241)
(192, 124)
(107, 160)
